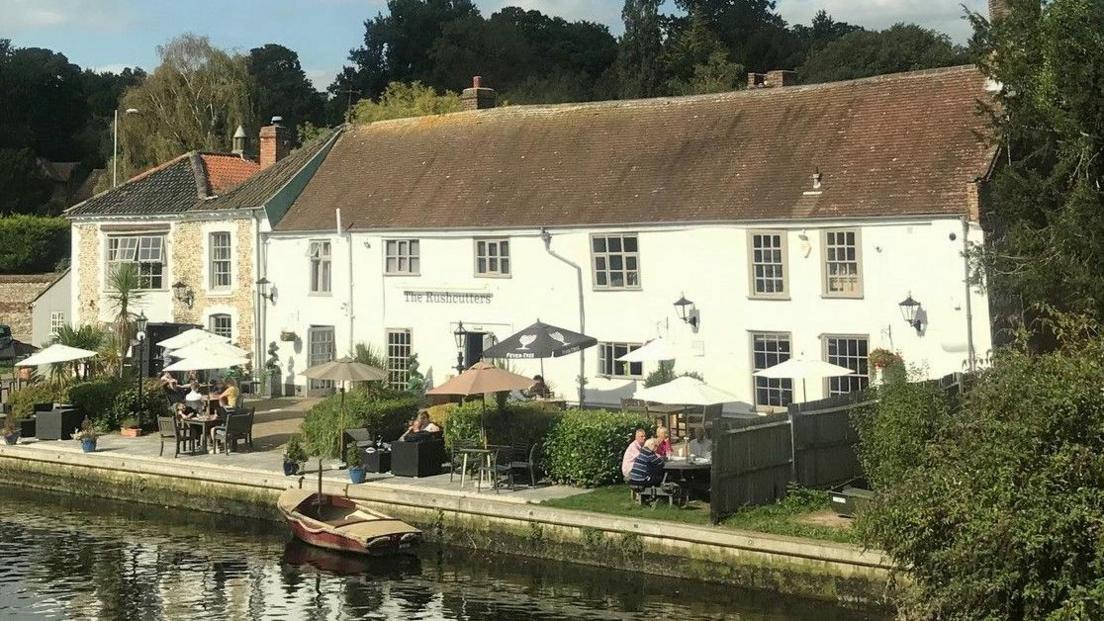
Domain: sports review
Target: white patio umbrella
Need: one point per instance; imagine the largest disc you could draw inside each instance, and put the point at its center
(209, 361)
(687, 390)
(657, 349)
(191, 337)
(208, 347)
(54, 354)
(803, 369)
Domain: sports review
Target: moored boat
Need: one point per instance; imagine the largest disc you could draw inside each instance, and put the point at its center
(337, 523)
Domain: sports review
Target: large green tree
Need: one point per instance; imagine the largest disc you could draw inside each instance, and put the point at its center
(43, 102)
(639, 65)
(863, 53)
(282, 87)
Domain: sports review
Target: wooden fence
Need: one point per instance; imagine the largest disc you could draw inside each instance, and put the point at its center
(755, 460)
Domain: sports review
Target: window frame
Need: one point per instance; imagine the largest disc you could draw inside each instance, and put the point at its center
(625, 255)
(212, 262)
(215, 317)
(782, 383)
(827, 384)
(498, 242)
(313, 333)
(784, 247)
(398, 376)
(613, 362)
(322, 264)
(824, 277)
(143, 278)
(57, 321)
(414, 254)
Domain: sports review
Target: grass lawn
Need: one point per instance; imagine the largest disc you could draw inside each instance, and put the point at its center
(805, 513)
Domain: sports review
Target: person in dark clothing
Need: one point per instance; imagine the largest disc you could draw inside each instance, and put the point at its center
(647, 470)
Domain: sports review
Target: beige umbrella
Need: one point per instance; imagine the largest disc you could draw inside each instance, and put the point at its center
(54, 354)
(344, 370)
(481, 379)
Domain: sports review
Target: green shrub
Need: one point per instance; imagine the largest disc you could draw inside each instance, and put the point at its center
(127, 404)
(386, 416)
(96, 400)
(24, 399)
(32, 244)
(516, 423)
(295, 451)
(584, 447)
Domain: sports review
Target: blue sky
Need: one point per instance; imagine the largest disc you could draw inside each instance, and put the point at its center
(111, 34)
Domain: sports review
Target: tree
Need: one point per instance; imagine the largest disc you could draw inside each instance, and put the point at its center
(863, 53)
(1045, 209)
(754, 35)
(123, 289)
(639, 71)
(22, 188)
(43, 103)
(698, 63)
(282, 87)
(822, 31)
(404, 100)
(195, 99)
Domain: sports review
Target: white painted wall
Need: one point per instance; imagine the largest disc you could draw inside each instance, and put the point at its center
(709, 263)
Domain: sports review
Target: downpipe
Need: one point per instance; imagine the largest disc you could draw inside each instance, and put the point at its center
(546, 237)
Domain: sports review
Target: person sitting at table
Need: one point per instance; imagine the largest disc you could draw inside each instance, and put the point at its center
(228, 396)
(647, 469)
(168, 382)
(699, 446)
(539, 390)
(663, 440)
(631, 452)
(426, 425)
(416, 433)
(194, 399)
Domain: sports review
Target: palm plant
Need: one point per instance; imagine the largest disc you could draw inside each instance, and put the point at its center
(87, 337)
(124, 287)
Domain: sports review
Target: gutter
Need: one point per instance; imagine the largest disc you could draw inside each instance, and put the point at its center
(581, 379)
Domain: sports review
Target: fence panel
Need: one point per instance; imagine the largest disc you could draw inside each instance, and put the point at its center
(825, 441)
(751, 465)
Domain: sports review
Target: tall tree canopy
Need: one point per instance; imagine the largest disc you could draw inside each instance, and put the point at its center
(282, 88)
(639, 68)
(43, 101)
(864, 53)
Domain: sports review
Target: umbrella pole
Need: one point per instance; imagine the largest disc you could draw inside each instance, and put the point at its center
(341, 425)
(482, 423)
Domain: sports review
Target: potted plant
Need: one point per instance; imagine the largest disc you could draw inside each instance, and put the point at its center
(288, 336)
(352, 460)
(11, 430)
(86, 435)
(294, 455)
(882, 358)
(129, 427)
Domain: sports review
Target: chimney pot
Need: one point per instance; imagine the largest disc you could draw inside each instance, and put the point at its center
(772, 79)
(477, 81)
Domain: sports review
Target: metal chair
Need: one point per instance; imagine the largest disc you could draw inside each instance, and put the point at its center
(456, 458)
(525, 458)
(497, 468)
(237, 427)
(170, 427)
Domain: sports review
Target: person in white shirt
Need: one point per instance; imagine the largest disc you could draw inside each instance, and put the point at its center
(700, 446)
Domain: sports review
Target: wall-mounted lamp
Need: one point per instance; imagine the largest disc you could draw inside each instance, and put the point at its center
(263, 290)
(913, 313)
(183, 293)
(687, 311)
(461, 336)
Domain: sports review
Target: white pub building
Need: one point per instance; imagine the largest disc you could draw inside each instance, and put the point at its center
(796, 219)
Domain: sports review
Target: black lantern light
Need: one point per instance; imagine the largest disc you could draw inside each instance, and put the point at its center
(686, 311)
(910, 310)
(461, 336)
(183, 294)
(263, 290)
(141, 323)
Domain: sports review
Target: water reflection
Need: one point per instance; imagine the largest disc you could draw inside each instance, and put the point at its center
(72, 558)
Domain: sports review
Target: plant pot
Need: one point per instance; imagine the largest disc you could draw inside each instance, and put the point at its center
(26, 373)
(356, 474)
(11, 438)
(130, 432)
(290, 467)
(88, 445)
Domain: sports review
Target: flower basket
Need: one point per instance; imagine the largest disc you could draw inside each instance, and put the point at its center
(882, 358)
(288, 336)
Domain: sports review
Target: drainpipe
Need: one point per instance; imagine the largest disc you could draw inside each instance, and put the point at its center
(258, 301)
(547, 238)
(971, 353)
(349, 247)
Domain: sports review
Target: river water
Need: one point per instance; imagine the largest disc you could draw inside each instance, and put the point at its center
(66, 558)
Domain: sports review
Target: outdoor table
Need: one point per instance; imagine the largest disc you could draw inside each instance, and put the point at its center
(204, 426)
(479, 453)
(689, 475)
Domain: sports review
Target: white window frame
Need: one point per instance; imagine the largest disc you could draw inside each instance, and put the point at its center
(754, 277)
(396, 342)
(320, 272)
(142, 246)
(857, 362)
(402, 257)
(214, 261)
(214, 318)
(57, 322)
(829, 242)
(779, 386)
(493, 255)
(609, 365)
(601, 262)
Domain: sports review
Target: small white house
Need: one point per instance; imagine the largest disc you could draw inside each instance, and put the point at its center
(50, 310)
(796, 220)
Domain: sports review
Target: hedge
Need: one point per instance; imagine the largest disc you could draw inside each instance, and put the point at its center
(516, 423)
(32, 244)
(584, 447)
(94, 399)
(383, 414)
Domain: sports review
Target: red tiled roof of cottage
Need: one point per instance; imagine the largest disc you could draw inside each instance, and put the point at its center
(227, 171)
(897, 145)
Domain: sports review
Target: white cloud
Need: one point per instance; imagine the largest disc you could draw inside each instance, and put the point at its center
(320, 78)
(98, 15)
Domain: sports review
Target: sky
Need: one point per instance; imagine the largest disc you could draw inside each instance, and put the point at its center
(112, 34)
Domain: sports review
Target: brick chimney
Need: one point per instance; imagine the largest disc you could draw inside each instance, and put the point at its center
(275, 142)
(772, 79)
(477, 97)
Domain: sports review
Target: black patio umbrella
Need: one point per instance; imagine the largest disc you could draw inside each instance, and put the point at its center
(540, 340)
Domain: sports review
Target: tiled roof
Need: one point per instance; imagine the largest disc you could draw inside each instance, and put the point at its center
(198, 181)
(895, 145)
(226, 171)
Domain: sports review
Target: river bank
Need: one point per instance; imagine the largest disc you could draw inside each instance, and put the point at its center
(511, 524)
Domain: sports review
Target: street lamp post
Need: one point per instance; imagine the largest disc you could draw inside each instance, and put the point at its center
(141, 323)
(115, 148)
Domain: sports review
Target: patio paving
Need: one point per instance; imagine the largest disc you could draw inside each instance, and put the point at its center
(275, 421)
